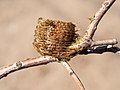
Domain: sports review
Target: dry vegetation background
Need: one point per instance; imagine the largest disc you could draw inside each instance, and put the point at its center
(18, 19)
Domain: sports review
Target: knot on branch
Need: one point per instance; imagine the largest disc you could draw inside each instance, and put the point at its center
(19, 64)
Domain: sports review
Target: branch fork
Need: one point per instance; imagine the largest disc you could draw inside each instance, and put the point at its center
(88, 44)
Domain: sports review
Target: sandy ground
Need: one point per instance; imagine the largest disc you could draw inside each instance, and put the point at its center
(18, 19)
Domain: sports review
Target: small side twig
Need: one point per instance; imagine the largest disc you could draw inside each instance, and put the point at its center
(100, 50)
(104, 42)
(73, 75)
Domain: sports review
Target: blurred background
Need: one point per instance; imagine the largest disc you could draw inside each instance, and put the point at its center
(18, 19)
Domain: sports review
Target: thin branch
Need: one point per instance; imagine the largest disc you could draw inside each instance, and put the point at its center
(101, 50)
(98, 16)
(30, 62)
(104, 42)
(43, 60)
(86, 40)
(73, 75)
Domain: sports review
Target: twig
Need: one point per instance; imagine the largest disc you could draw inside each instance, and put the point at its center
(86, 40)
(43, 60)
(73, 75)
(98, 16)
(104, 42)
(100, 50)
(30, 62)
